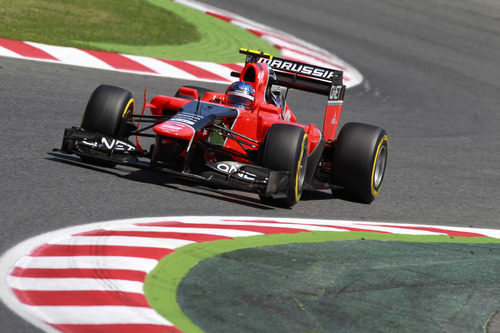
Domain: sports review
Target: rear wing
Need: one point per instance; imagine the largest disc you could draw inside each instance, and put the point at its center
(294, 74)
(302, 76)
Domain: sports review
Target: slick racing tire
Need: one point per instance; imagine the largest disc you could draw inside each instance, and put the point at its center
(359, 160)
(107, 112)
(286, 149)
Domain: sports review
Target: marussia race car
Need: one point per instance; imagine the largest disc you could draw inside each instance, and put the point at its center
(246, 138)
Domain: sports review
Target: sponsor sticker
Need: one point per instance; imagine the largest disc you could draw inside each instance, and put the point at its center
(233, 169)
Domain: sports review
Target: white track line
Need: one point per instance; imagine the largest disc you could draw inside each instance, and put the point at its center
(60, 284)
(98, 315)
(163, 243)
(218, 232)
(84, 262)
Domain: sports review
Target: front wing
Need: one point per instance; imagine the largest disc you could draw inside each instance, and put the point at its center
(105, 150)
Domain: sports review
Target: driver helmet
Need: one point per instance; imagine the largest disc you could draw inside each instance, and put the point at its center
(240, 94)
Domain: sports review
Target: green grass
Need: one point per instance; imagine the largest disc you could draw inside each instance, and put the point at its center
(81, 21)
(154, 28)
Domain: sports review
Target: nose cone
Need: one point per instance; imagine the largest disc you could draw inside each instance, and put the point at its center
(175, 130)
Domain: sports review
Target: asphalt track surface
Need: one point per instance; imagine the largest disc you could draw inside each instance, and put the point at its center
(432, 81)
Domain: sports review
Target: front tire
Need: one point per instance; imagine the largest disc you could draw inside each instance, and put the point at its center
(107, 112)
(286, 149)
(359, 160)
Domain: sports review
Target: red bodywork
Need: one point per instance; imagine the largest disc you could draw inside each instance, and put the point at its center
(260, 148)
(253, 123)
(199, 135)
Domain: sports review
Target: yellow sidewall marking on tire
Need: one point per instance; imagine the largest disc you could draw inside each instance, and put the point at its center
(372, 187)
(131, 101)
(297, 195)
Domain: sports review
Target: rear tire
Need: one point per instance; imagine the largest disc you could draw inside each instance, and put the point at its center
(107, 112)
(286, 149)
(359, 160)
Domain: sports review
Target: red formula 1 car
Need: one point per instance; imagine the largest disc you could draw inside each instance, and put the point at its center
(246, 138)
